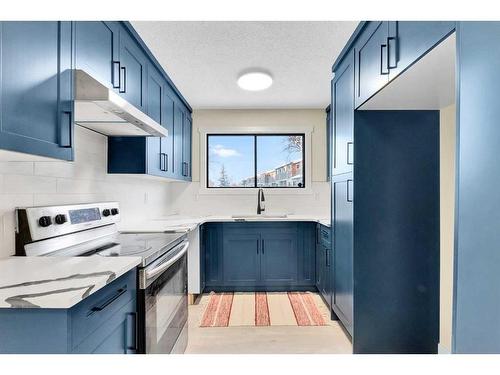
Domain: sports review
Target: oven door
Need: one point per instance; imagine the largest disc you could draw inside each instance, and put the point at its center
(163, 303)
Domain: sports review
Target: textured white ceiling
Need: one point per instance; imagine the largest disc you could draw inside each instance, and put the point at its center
(204, 60)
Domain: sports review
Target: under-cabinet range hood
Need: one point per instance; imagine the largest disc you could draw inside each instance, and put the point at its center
(101, 109)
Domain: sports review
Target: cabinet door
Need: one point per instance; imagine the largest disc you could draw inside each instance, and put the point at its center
(319, 265)
(410, 40)
(186, 146)
(343, 244)
(278, 257)
(155, 103)
(372, 71)
(343, 116)
(167, 143)
(328, 142)
(133, 65)
(97, 50)
(178, 142)
(36, 98)
(241, 259)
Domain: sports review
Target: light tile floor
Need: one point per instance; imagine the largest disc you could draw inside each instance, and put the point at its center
(329, 339)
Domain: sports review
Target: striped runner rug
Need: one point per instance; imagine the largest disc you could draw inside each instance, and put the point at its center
(262, 309)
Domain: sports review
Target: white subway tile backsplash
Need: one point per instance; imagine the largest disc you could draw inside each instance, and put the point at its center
(16, 167)
(22, 184)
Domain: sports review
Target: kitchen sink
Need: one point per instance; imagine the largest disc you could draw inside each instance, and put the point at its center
(257, 217)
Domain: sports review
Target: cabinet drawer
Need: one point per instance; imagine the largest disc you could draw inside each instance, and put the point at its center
(117, 336)
(95, 310)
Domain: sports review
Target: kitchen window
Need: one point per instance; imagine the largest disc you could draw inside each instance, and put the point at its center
(255, 161)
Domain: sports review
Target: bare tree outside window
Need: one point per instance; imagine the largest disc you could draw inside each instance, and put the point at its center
(223, 177)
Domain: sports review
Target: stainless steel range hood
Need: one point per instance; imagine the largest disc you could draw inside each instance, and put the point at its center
(101, 109)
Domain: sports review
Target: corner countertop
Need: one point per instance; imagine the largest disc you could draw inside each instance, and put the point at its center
(189, 223)
(57, 282)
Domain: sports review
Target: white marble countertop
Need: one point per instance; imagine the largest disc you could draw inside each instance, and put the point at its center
(188, 223)
(57, 282)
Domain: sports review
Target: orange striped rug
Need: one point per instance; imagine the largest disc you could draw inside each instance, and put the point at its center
(262, 309)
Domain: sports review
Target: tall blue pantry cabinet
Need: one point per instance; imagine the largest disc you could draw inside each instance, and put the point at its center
(385, 283)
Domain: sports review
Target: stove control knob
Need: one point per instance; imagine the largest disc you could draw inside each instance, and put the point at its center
(114, 211)
(61, 219)
(106, 212)
(45, 221)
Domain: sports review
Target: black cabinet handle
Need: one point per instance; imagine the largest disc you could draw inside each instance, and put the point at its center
(349, 148)
(258, 245)
(116, 75)
(131, 348)
(262, 246)
(163, 162)
(65, 128)
(349, 192)
(109, 301)
(123, 80)
(383, 65)
(392, 40)
(327, 252)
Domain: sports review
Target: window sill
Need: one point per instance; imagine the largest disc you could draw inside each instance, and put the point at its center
(253, 191)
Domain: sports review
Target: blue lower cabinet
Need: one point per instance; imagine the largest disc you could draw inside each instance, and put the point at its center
(259, 256)
(324, 271)
(36, 96)
(241, 258)
(104, 322)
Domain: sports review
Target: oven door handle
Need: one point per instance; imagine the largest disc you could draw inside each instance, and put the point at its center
(166, 265)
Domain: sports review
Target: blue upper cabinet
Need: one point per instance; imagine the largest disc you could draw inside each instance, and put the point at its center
(133, 66)
(36, 107)
(386, 49)
(343, 116)
(97, 50)
(372, 71)
(408, 41)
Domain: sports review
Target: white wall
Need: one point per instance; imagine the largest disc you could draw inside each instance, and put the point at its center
(190, 199)
(447, 130)
(28, 183)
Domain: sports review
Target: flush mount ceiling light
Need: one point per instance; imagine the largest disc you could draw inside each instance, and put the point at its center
(255, 81)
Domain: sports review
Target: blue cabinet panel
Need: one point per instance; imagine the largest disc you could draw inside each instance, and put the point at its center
(396, 221)
(97, 50)
(155, 109)
(410, 40)
(167, 143)
(278, 257)
(343, 226)
(372, 70)
(186, 146)
(178, 129)
(36, 108)
(477, 259)
(343, 116)
(133, 66)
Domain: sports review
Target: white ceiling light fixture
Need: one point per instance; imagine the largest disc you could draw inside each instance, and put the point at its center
(255, 80)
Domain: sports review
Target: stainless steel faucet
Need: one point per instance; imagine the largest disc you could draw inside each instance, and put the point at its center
(261, 206)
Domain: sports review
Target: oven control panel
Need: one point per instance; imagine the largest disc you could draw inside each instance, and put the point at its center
(51, 221)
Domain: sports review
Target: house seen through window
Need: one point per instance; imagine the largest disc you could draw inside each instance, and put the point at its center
(255, 160)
